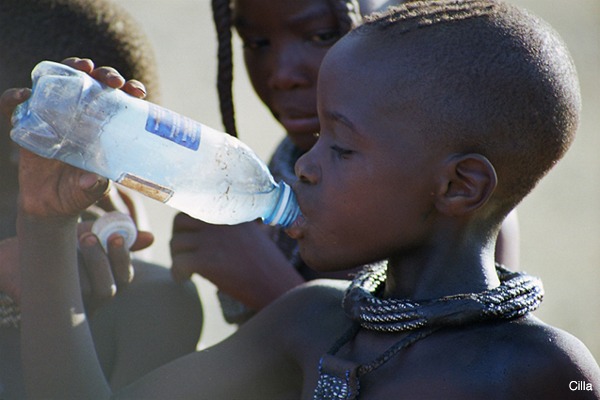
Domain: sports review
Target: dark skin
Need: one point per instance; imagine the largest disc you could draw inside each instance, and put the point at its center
(284, 45)
(435, 235)
(101, 275)
(124, 305)
(102, 271)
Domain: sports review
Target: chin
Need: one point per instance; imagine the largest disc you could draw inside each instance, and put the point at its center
(326, 268)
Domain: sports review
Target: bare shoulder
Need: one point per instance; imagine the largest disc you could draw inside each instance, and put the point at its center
(551, 362)
(312, 306)
(312, 310)
(525, 358)
(325, 292)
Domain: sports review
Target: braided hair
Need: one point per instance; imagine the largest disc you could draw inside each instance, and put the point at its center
(346, 11)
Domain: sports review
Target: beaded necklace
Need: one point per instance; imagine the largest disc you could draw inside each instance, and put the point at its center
(517, 295)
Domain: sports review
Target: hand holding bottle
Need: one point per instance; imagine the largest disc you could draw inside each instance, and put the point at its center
(51, 189)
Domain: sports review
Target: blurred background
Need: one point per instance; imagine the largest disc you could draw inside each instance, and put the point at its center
(560, 220)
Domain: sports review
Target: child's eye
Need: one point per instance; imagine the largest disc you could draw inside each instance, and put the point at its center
(341, 152)
(326, 37)
(255, 44)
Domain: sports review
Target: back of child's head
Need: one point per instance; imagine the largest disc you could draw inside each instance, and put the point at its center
(492, 79)
(347, 12)
(36, 30)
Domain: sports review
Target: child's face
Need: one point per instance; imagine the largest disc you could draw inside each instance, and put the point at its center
(284, 44)
(365, 188)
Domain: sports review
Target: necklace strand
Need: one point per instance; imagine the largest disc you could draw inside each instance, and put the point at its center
(517, 294)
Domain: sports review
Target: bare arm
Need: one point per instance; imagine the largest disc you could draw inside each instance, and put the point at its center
(59, 357)
(57, 348)
(58, 351)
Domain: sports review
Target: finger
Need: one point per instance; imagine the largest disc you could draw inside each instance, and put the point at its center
(183, 266)
(181, 271)
(82, 64)
(97, 268)
(84, 227)
(120, 260)
(109, 76)
(143, 240)
(84, 280)
(115, 201)
(129, 203)
(135, 88)
(182, 242)
(71, 190)
(12, 98)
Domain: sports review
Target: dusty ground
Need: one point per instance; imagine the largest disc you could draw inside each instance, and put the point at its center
(560, 221)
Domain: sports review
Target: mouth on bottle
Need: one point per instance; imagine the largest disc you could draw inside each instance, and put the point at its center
(286, 211)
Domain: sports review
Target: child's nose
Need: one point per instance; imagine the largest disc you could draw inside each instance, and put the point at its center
(288, 69)
(307, 170)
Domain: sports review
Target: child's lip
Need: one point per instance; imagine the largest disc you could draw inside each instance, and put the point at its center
(295, 230)
(304, 123)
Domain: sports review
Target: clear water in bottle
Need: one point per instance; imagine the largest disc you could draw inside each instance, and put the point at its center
(205, 173)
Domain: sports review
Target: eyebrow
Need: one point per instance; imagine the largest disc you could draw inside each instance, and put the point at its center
(314, 13)
(342, 119)
(311, 14)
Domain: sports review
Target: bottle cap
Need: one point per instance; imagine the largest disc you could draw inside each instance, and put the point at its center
(286, 211)
(115, 222)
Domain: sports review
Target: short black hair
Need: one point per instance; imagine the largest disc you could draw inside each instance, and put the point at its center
(36, 30)
(496, 81)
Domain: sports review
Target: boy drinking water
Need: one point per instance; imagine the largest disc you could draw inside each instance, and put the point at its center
(437, 118)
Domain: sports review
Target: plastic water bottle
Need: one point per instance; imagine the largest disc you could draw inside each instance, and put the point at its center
(205, 173)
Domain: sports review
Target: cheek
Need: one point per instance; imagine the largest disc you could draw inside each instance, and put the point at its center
(257, 73)
(344, 228)
(369, 222)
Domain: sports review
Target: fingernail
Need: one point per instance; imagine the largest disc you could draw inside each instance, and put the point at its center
(23, 93)
(117, 241)
(89, 240)
(92, 181)
(141, 88)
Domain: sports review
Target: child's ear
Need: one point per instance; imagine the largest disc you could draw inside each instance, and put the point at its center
(466, 184)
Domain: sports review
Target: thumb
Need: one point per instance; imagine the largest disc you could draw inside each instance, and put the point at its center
(94, 185)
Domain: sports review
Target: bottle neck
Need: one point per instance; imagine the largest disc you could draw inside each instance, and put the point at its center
(286, 211)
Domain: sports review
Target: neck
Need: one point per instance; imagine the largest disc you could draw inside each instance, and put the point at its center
(456, 269)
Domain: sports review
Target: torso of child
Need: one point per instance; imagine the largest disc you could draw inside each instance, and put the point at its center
(492, 360)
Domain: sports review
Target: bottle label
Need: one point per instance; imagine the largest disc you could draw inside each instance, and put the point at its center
(174, 127)
(145, 187)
